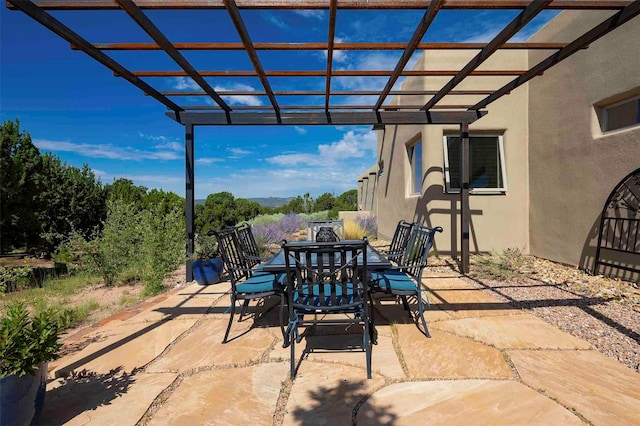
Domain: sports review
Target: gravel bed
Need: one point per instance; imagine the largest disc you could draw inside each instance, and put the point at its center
(605, 312)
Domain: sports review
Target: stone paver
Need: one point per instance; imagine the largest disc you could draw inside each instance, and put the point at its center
(176, 308)
(130, 345)
(462, 302)
(447, 356)
(326, 394)
(173, 343)
(102, 399)
(604, 391)
(513, 332)
(240, 396)
(203, 346)
(462, 402)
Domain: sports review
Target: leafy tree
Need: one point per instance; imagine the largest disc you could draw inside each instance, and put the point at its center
(164, 201)
(20, 167)
(71, 200)
(246, 210)
(324, 202)
(125, 190)
(218, 212)
(294, 206)
(348, 200)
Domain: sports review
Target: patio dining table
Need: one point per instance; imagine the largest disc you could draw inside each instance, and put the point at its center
(375, 260)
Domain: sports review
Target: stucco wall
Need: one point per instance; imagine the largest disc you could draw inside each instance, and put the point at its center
(573, 166)
(498, 221)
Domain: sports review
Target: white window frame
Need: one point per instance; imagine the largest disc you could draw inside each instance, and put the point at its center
(503, 168)
(410, 145)
(605, 115)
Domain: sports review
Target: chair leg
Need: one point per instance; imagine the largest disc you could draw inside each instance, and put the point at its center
(281, 318)
(243, 311)
(232, 308)
(292, 341)
(421, 313)
(367, 346)
(405, 303)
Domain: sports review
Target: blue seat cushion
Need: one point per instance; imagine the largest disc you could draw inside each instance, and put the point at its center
(325, 300)
(259, 282)
(391, 280)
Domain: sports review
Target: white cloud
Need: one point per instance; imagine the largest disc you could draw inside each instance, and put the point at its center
(238, 152)
(354, 144)
(308, 13)
(186, 83)
(106, 150)
(300, 130)
(242, 99)
(209, 160)
(275, 20)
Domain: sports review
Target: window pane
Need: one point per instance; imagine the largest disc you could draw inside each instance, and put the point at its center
(623, 115)
(485, 168)
(417, 167)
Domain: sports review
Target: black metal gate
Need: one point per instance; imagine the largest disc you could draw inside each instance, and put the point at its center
(619, 233)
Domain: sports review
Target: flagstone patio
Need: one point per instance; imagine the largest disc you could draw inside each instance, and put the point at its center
(486, 363)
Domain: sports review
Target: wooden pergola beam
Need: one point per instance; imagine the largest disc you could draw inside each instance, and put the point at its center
(238, 22)
(323, 4)
(322, 92)
(324, 118)
(424, 24)
(333, 7)
(145, 23)
(323, 73)
(507, 32)
(75, 39)
(610, 24)
(320, 107)
(325, 46)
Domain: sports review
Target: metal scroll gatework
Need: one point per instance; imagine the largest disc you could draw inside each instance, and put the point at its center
(619, 233)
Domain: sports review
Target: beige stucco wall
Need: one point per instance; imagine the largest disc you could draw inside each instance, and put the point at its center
(498, 221)
(573, 166)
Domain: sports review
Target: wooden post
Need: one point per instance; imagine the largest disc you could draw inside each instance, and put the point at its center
(464, 197)
(189, 196)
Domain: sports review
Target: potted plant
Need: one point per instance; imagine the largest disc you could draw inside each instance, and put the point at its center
(207, 265)
(27, 343)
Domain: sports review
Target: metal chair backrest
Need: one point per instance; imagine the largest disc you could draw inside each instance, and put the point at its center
(232, 254)
(313, 227)
(400, 240)
(248, 243)
(417, 251)
(327, 277)
(326, 234)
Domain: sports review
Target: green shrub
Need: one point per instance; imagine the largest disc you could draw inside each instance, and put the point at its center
(266, 219)
(26, 341)
(12, 277)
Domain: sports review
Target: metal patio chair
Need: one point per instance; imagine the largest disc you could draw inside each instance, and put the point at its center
(314, 226)
(249, 246)
(395, 250)
(327, 278)
(246, 283)
(405, 279)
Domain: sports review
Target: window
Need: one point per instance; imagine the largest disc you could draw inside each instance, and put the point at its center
(486, 164)
(620, 115)
(415, 163)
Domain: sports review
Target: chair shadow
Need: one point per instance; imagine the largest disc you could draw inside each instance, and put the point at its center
(350, 394)
(84, 391)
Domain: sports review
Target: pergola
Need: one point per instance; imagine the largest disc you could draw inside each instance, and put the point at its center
(285, 107)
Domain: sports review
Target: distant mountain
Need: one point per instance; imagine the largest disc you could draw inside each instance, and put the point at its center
(266, 202)
(272, 201)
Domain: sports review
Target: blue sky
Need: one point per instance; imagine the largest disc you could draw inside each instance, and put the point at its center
(75, 108)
